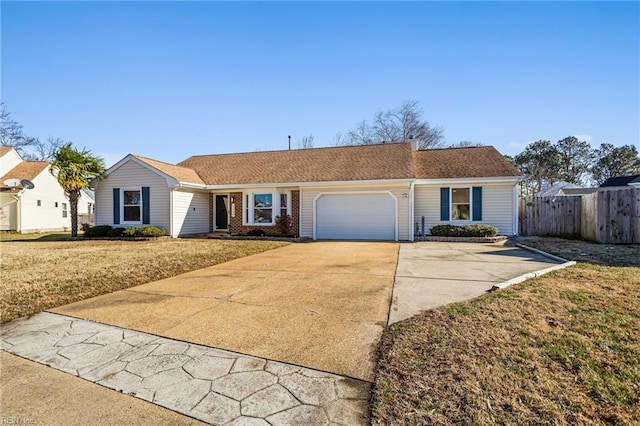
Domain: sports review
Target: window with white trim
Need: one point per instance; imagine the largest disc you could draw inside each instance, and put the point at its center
(132, 205)
(460, 204)
(64, 210)
(262, 208)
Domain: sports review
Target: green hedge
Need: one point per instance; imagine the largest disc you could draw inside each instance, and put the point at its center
(464, 231)
(102, 231)
(99, 231)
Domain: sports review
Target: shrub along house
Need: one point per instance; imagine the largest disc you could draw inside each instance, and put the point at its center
(371, 192)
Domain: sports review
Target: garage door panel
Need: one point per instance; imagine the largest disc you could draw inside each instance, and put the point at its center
(356, 216)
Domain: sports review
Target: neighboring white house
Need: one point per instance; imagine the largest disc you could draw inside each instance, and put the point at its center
(371, 192)
(43, 208)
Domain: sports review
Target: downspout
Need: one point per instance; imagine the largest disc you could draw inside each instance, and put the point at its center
(515, 209)
(299, 213)
(171, 226)
(412, 227)
(18, 198)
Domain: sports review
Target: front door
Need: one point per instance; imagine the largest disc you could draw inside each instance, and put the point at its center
(222, 213)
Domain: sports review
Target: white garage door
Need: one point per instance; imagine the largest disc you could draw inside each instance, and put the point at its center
(356, 217)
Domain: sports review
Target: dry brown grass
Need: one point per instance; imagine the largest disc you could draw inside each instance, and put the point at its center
(561, 349)
(41, 275)
(585, 251)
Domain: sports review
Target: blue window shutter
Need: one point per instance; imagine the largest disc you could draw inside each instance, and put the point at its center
(116, 206)
(477, 203)
(145, 206)
(444, 203)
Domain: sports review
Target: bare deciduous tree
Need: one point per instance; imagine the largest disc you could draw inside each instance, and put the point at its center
(306, 142)
(465, 144)
(340, 139)
(12, 134)
(30, 148)
(361, 135)
(395, 125)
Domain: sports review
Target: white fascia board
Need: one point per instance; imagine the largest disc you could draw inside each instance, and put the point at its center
(190, 185)
(449, 181)
(378, 182)
(171, 181)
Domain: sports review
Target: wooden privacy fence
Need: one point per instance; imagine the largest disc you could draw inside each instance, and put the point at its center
(607, 216)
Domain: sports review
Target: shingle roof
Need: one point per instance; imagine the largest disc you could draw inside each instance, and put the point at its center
(472, 162)
(25, 170)
(4, 150)
(620, 181)
(181, 174)
(370, 162)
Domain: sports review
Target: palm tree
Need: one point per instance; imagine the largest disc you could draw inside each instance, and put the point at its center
(75, 170)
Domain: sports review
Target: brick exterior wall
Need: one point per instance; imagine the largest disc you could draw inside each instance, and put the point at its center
(295, 213)
(236, 226)
(235, 223)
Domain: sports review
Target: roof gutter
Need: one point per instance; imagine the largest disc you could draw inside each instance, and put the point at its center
(497, 179)
(190, 185)
(373, 182)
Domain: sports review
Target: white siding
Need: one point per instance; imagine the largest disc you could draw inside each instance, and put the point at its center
(190, 213)
(497, 206)
(8, 212)
(8, 161)
(47, 216)
(307, 196)
(133, 175)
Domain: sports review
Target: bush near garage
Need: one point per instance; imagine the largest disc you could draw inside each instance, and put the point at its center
(464, 231)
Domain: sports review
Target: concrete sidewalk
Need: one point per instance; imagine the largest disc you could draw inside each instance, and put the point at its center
(432, 274)
(32, 393)
(212, 385)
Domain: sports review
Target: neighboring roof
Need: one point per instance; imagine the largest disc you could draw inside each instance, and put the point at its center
(470, 162)
(89, 193)
(578, 191)
(25, 170)
(4, 150)
(556, 188)
(181, 174)
(621, 181)
(352, 163)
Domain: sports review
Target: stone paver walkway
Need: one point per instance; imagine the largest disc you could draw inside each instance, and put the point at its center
(212, 385)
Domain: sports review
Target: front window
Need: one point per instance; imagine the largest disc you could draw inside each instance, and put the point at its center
(263, 208)
(460, 204)
(64, 210)
(131, 205)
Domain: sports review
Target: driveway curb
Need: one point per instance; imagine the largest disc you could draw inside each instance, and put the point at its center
(517, 280)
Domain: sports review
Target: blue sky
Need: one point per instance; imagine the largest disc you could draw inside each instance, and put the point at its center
(172, 79)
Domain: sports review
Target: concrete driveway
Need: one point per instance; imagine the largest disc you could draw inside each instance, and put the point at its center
(432, 274)
(321, 305)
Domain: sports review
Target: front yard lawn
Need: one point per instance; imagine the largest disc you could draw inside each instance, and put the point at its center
(561, 349)
(40, 275)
